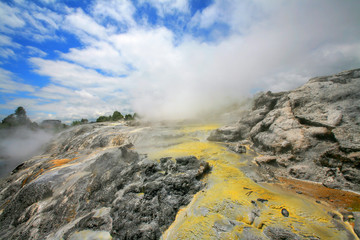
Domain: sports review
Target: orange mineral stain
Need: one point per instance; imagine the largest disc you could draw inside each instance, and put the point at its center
(47, 166)
(60, 162)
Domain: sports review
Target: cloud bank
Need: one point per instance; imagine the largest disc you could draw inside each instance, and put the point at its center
(206, 59)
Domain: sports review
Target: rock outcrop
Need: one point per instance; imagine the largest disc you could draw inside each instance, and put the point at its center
(90, 184)
(312, 132)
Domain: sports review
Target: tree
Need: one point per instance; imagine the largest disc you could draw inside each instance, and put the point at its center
(9, 121)
(21, 117)
(75, 123)
(103, 119)
(18, 118)
(20, 112)
(128, 117)
(117, 116)
(136, 116)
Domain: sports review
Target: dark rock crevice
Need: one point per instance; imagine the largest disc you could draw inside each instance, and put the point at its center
(308, 122)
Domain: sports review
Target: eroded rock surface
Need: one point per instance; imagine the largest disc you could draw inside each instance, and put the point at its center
(91, 184)
(311, 133)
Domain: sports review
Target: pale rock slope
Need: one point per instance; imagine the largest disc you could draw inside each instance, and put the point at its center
(310, 133)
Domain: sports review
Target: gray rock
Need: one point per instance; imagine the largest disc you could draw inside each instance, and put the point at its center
(249, 233)
(278, 233)
(285, 212)
(229, 133)
(237, 148)
(223, 226)
(91, 183)
(266, 160)
(317, 124)
(357, 223)
(300, 171)
(351, 174)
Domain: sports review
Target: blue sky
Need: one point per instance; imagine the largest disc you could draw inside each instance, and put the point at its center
(167, 58)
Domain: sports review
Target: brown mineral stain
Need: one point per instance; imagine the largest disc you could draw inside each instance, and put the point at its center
(118, 140)
(71, 214)
(338, 199)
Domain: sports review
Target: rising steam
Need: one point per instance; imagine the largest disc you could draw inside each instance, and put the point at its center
(18, 145)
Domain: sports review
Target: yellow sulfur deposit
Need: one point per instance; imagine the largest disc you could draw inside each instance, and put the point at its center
(232, 206)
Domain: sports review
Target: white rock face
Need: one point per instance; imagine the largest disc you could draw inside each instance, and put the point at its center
(318, 124)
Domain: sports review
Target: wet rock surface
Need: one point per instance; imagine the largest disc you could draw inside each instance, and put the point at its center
(311, 133)
(91, 184)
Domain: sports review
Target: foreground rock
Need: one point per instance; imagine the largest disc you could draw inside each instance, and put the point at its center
(90, 184)
(311, 133)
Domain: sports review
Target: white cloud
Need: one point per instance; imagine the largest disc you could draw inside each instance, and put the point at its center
(7, 53)
(168, 6)
(36, 51)
(72, 75)
(9, 17)
(278, 51)
(54, 92)
(209, 16)
(120, 10)
(7, 41)
(54, 101)
(29, 20)
(146, 48)
(85, 27)
(6, 44)
(78, 92)
(48, 1)
(99, 55)
(77, 104)
(237, 15)
(8, 85)
(24, 102)
(48, 18)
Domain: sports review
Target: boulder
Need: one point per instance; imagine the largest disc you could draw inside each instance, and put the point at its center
(238, 148)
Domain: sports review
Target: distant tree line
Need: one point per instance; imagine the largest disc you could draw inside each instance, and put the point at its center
(20, 119)
(116, 117)
(77, 122)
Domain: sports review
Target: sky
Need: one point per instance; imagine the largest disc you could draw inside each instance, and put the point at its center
(165, 59)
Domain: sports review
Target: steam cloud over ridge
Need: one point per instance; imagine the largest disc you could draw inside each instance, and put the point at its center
(18, 145)
(178, 61)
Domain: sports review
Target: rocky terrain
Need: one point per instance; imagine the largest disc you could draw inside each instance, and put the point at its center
(167, 181)
(90, 184)
(310, 133)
